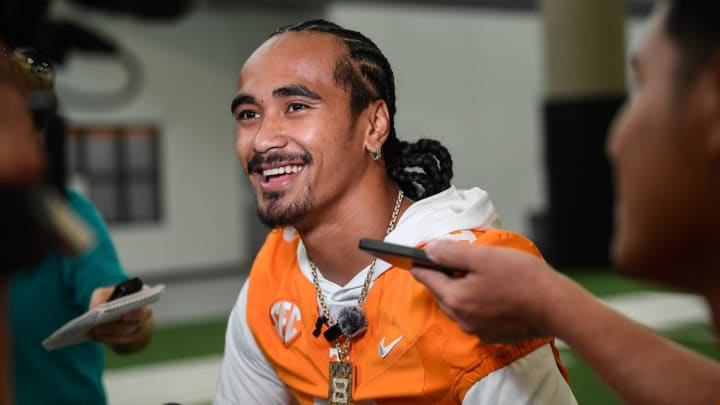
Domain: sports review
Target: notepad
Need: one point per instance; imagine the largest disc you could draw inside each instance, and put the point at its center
(76, 330)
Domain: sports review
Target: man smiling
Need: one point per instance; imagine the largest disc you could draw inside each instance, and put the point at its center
(318, 320)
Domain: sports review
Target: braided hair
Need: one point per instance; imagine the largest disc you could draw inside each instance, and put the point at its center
(420, 169)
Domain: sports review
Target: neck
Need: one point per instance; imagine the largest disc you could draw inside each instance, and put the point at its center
(332, 243)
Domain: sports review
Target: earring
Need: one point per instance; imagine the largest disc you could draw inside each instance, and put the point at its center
(376, 155)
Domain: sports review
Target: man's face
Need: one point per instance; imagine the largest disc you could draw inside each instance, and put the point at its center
(295, 135)
(667, 203)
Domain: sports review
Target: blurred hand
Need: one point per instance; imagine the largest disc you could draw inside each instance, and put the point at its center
(506, 295)
(129, 334)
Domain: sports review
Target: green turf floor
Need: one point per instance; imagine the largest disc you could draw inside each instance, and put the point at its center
(175, 343)
(206, 338)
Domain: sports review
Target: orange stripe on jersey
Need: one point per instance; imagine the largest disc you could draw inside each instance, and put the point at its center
(411, 351)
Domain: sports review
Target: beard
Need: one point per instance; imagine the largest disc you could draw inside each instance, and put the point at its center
(278, 213)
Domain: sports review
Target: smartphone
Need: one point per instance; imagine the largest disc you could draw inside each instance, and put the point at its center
(404, 256)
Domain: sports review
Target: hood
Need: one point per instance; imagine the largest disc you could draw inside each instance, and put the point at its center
(427, 219)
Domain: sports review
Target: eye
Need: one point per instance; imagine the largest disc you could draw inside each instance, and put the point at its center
(293, 107)
(247, 115)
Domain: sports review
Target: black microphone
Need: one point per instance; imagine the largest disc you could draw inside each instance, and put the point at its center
(322, 320)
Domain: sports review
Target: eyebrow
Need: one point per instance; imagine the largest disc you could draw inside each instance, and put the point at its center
(241, 98)
(295, 90)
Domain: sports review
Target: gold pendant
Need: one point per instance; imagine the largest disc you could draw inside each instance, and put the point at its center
(341, 382)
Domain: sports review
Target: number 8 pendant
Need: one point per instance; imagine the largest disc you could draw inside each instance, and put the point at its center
(340, 383)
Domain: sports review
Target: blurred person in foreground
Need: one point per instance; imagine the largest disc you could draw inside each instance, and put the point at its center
(61, 287)
(21, 164)
(319, 320)
(665, 147)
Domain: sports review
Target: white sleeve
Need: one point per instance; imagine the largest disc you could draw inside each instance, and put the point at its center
(246, 376)
(533, 379)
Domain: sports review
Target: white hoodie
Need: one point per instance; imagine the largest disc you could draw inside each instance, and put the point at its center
(431, 218)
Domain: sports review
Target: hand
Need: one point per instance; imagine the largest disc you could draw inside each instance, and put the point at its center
(505, 295)
(129, 334)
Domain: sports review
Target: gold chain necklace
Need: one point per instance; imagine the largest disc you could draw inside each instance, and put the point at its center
(341, 371)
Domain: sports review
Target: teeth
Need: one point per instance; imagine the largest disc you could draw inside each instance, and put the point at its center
(276, 171)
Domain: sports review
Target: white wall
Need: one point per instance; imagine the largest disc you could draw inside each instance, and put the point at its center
(473, 79)
(469, 77)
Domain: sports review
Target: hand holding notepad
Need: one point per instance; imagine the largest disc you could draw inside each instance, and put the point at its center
(76, 330)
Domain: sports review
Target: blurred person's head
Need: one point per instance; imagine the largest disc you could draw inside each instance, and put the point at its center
(665, 146)
(34, 74)
(33, 221)
(315, 115)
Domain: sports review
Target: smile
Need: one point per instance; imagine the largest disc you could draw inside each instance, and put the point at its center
(278, 178)
(278, 171)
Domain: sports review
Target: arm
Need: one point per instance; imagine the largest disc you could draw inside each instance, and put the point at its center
(93, 276)
(639, 365)
(246, 376)
(509, 296)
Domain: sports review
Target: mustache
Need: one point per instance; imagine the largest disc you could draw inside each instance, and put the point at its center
(277, 157)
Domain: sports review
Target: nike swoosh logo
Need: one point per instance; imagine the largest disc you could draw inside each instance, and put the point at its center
(385, 350)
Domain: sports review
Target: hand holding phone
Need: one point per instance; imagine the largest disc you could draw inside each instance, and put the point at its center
(404, 257)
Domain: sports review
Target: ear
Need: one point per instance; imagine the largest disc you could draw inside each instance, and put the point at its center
(378, 128)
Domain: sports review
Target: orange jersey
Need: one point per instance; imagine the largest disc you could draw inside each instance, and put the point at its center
(411, 352)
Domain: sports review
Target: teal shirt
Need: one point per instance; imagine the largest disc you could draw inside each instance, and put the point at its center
(43, 299)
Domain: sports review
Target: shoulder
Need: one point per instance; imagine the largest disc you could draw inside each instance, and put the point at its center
(277, 253)
(84, 208)
(273, 269)
(500, 237)
(494, 237)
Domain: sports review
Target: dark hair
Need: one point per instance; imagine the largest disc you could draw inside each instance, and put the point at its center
(420, 169)
(694, 26)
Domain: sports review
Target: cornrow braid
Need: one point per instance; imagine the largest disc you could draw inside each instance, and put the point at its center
(420, 169)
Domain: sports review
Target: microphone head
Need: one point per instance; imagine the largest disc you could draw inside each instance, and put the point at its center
(352, 321)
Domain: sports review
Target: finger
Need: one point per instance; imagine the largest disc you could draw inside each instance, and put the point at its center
(450, 314)
(438, 283)
(116, 339)
(138, 315)
(118, 329)
(100, 296)
(460, 256)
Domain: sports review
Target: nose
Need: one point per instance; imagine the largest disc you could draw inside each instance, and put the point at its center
(617, 127)
(271, 134)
